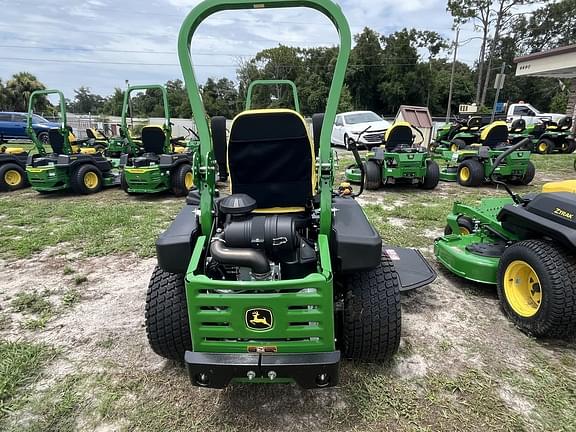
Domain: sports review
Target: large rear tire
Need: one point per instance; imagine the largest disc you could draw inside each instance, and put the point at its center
(372, 175)
(529, 174)
(12, 177)
(182, 180)
(569, 146)
(86, 179)
(167, 325)
(372, 317)
(470, 173)
(457, 144)
(537, 288)
(432, 175)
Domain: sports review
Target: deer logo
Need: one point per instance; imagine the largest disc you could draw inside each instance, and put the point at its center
(259, 319)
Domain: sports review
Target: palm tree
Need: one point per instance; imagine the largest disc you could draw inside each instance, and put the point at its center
(18, 90)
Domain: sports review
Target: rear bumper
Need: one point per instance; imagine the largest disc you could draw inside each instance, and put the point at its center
(308, 370)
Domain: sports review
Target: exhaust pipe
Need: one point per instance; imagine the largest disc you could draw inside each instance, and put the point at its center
(254, 259)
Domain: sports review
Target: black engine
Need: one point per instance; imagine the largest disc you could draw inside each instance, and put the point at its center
(248, 246)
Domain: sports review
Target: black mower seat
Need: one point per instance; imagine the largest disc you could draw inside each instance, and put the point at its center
(153, 138)
(518, 126)
(474, 123)
(398, 135)
(271, 158)
(565, 123)
(495, 135)
(56, 141)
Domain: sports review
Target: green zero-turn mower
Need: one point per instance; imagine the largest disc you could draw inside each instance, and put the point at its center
(545, 137)
(397, 161)
(273, 283)
(474, 165)
(524, 245)
(161, 166)
(84, 171)
(457, 135)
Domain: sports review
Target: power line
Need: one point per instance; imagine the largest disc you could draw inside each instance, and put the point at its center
(195, 64)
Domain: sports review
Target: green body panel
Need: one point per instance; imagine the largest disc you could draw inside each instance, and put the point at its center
(257, 83)
(48, 178)
(303, 321)
(396, 165)
(514, 165)
(147, 179)
(451, 252)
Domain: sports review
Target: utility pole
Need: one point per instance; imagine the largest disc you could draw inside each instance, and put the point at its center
(449, 109)
(130, 105)
(498, 84)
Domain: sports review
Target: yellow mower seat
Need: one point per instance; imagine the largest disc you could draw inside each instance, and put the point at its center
(495, 134)
(562, 186)
(271, 158)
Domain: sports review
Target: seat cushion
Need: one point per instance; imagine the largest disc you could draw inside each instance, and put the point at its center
(271, 158)
(153, 138)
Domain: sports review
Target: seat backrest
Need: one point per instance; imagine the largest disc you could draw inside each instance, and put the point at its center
(494, 134)
(565, 123)
(271, 158)
(56, 141)
(153, 138)
(400, 133)
(474, 123)
(518, 125)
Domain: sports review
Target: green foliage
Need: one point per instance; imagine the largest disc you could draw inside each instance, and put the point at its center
(220, 97)
(86, 102)
(14, 95)
(559, 102)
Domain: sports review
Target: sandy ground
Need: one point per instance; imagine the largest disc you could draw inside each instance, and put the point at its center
(446, 329)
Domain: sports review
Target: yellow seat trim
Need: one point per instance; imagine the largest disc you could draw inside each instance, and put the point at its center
(14, 150)
(489, 128)
(310, 142)
(88, 150)
(391, 128)
(280, 210)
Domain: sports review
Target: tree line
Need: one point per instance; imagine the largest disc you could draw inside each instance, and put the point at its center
(410, 67)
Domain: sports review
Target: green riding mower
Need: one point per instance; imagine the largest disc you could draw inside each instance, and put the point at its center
(277, 281)
(160, 166)
(82, 171)
(457, 135)
(545, 137)
(13, 168)
(397, 161)
(474, 164)
(524, 245)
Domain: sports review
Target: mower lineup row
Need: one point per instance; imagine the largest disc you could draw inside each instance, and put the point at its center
(155, 162)
(285, 276)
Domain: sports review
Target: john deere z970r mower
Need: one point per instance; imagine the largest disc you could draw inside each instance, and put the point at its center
(83, 170)
(524, 245)
(159, 167)
(277, 281)
(397, 161)
(473, 165)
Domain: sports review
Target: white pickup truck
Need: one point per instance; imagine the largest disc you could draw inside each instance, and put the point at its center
(530, 114)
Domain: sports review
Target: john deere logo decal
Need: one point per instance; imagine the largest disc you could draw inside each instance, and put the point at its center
(259, 319)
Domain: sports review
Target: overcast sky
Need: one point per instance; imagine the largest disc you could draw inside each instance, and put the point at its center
(101, 43)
